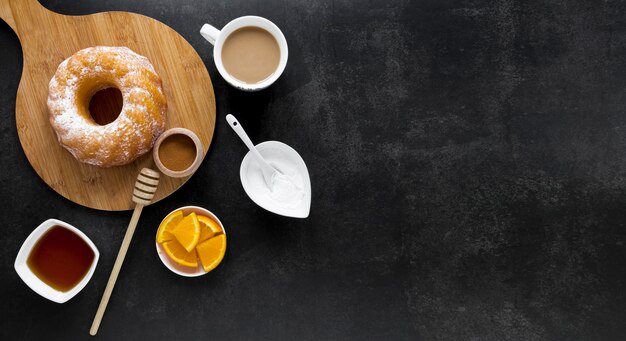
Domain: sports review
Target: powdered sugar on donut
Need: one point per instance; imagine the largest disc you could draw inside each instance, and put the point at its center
(140, 122)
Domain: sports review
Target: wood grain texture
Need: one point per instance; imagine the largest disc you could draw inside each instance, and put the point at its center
(48, 38)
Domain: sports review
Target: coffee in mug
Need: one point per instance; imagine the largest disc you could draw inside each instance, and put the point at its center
(250, 52)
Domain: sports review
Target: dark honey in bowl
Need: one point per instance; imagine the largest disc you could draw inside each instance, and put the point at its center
(60, 258)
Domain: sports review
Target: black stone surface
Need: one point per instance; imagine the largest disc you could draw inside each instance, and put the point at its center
(468, 163)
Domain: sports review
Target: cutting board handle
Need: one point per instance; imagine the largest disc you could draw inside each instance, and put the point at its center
(23, 10)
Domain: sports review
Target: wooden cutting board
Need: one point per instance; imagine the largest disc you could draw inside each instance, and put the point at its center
(48, 38)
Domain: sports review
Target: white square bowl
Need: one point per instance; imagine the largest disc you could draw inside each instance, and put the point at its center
(37, 284)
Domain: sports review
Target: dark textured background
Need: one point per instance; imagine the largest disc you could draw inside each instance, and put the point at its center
(468, 163)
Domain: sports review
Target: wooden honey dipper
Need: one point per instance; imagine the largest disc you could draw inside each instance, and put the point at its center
(145, 187)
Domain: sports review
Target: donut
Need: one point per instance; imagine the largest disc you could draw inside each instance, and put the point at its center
(140, 122)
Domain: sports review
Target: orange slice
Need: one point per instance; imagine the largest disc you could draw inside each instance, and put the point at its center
(187, 232)
(164, 233)
(179, 255)
(208, 228)
(211, 252)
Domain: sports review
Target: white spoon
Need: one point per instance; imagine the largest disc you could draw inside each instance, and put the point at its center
(269, 172)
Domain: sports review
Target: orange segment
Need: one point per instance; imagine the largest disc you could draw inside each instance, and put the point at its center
(179, 255)
(211, 252)
(164, 233)
(216, 228)
(187, 232)
(208, 228)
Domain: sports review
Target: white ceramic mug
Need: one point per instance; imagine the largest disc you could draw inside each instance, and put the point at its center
(217, 38)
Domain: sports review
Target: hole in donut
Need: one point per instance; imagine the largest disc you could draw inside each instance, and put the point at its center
(105, 105)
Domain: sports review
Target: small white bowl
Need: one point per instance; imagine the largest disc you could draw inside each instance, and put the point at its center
(37, 284)
(273, 151)
(168, 262)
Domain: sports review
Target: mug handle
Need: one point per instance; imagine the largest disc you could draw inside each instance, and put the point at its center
(209, 33)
